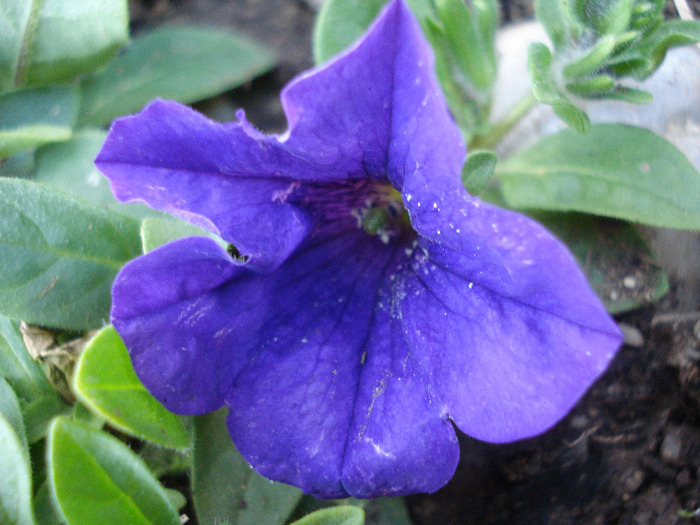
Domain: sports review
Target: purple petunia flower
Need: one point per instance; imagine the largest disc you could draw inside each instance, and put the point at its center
(375, 302)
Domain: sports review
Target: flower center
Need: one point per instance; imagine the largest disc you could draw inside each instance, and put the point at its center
(383, 214)
(369, 204)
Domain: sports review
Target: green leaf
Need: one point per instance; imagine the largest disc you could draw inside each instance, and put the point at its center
(225, 488)
(104, 380)
(616, 260)
(343, 515)
(16, 365)
(33, 117)
(20, 165)
(616, 171)
(641, 58)
(39, 413)
(545, 90)
(379, 511)
(556, 17)
(14, 18)
(593, 86)
(181, 63)
(10, 410)
(340, 22)
(177, 499)
(97, 479)
(70, 167)
(16, 479)
(44, 508)
(471, 46)
(66, 38)
(478, 170)
(605, 16)
(157, 231)
(592, 60)
(60, 256)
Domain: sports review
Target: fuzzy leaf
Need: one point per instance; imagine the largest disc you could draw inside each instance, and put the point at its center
(66, 38)
(60, 256)
(104, 380)
(179, 62)
(342, 515)
(225, 488)
(33, 117)
(16, 479)
(70, 167)
(615, 171)
(97, 479)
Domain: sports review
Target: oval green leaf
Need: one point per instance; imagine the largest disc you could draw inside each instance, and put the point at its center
(225, 488)
(343, 515)
(614, 170)
(104, 380)
(478, 170)
(60, 256)
(16, 479)
(157, 231)
(180, 63)
(32, 117)
(70, 166)
(66, 38)
(9, 408)
(97, 479)
(14, 18)
(341, 22)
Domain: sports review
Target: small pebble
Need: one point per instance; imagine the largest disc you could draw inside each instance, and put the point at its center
(629, 282)
(633, 337)
(633, 479)
(671, 447)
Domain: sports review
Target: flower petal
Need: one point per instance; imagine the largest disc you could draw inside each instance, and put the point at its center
(292, 406)
(401, 440)
(213, 175)
(357, 116)
(521, 335)
(165, 304)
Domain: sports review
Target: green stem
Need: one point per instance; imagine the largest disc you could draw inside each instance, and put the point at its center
(499, 129)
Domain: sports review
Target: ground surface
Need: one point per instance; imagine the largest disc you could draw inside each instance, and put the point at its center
(629, 453)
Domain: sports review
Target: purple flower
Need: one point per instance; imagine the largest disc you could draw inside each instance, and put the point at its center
(371, 302)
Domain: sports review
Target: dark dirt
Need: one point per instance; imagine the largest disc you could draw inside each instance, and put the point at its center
(629, 453)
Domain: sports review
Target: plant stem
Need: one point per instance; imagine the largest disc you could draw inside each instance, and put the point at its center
(499, 129)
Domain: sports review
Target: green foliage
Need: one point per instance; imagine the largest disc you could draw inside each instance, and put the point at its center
(615, 171)
(104, 380)
(157, 231)
(344, 515)
(546, 91)
(61, 256)
(225, 488)
(32, 117)
(16, 479)
(45, 42)
(95, 478)
(38, 400)
(69, 166)
(179, 62)
(340, 22)
(478, 170)
(597, 44)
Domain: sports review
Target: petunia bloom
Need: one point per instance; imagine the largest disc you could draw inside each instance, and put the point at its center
(370, 302)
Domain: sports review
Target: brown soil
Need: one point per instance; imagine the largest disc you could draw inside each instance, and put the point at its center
(629, 453)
